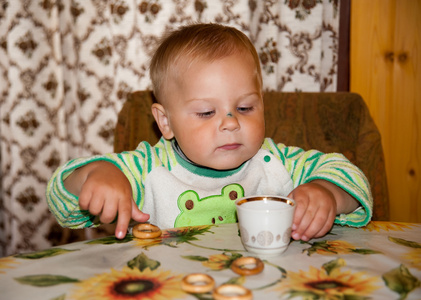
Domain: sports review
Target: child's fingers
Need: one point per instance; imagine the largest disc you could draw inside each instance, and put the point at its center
(85, 199)
(317, 223)
(327, 226)
(298, 227)
(298, 215)
(138, 215)
(299, 212)
(109, 212)
(320, 224)
(123, 219)
(305, 224)
(96, 205)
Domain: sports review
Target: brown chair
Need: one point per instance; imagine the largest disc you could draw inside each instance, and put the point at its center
(329, 122)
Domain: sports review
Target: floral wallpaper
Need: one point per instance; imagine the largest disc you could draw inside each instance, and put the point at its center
(66, 68)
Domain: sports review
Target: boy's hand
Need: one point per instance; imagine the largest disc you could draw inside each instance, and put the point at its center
(318, 203)
(104, 191)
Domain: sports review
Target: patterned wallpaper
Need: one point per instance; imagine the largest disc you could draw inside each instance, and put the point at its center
(66, 67)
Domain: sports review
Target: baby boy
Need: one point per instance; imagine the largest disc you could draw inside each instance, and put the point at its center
(210, 111)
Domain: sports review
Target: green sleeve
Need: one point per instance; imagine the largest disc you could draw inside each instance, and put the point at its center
(305, 166)
(65, 206)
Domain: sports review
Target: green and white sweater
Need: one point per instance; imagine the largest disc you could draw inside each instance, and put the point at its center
(177, 193)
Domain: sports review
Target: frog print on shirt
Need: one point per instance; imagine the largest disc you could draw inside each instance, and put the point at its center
(215, 209)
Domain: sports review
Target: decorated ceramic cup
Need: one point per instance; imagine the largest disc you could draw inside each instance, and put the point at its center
(265, 223)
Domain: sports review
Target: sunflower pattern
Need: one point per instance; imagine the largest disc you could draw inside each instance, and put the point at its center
(175, 236)
(220, 261)
(336, 247)
(7, 263)
(130, 284)
(328, 282)
(388, 226)
(413, 256)
(348, 263)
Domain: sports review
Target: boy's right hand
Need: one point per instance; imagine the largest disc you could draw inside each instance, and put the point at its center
(104, 191)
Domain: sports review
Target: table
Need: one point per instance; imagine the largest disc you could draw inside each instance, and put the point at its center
(380, 261)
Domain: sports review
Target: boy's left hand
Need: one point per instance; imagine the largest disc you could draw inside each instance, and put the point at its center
(315, 212)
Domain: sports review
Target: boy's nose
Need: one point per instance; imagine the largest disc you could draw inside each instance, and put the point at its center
(230, 122)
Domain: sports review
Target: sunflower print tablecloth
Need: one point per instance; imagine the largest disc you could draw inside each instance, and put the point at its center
(379, 261)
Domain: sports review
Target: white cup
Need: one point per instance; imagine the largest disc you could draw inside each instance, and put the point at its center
(265, 223)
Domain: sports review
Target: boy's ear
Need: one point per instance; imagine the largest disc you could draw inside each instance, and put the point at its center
(161, 119)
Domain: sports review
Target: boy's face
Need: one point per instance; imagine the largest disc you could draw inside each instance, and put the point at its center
(215, 112)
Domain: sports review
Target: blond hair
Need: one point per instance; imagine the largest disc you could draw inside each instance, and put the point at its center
(197, 42)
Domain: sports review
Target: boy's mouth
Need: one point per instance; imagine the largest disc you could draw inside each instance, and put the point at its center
(229, 146)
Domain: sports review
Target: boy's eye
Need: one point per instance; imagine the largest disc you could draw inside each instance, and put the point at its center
(205, 114)
(245, 109)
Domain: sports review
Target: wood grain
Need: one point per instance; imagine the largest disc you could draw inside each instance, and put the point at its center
(385, 69)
